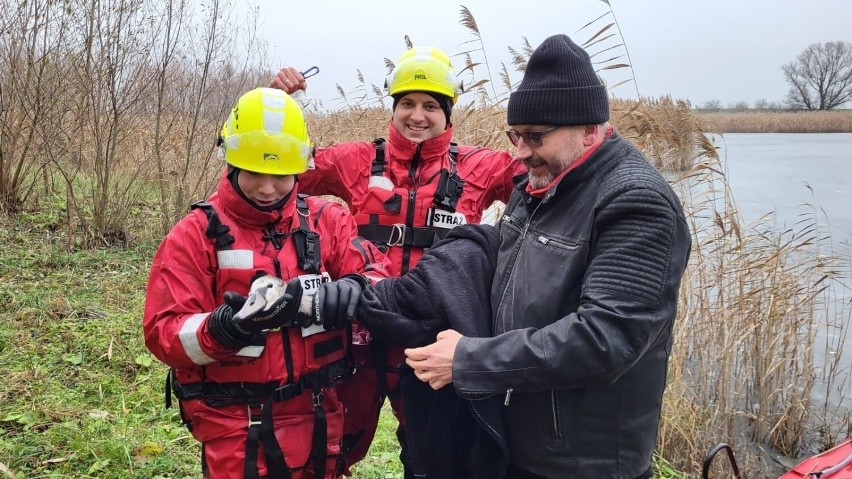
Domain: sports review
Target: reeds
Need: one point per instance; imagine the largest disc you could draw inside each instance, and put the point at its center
(833, 121)
(754, 301)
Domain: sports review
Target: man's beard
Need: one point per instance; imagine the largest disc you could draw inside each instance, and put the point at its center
(563, 159)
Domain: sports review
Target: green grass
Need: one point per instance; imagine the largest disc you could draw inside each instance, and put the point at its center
(81, 396)
(382, 462)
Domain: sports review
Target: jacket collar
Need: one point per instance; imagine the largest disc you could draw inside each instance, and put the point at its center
(600, 159)
(243, 213)
(401, 148)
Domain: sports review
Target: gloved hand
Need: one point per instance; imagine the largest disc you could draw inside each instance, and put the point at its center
(270, 304)
(335, 303)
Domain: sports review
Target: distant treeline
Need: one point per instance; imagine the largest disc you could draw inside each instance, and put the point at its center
(757, 121)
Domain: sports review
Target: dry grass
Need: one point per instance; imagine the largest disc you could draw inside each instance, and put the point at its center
(664, 128)
(836, 121)
(743, 368)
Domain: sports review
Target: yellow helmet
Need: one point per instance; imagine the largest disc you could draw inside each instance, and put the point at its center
(426, 69)
(266, 133)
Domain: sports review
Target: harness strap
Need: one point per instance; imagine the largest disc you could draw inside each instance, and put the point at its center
(250, 469)
(320, 435)
(378, 166)
(168, 391)
(261, 431)
(275, 464)
(307, 241)
(231, 393)
(450, 184)
(399, 235)
(215, 229)
(447, 194)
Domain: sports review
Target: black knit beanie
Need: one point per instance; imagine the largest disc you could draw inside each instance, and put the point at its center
(560, 87)
(443, 100)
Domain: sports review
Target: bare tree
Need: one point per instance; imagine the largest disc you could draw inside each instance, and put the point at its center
(117, 100)
(741, 105)
(713, 104)
(821, 76)
(28, 83)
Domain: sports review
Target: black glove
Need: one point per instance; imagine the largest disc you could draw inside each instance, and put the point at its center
(221, 322)
(335, 303)
(236, 322)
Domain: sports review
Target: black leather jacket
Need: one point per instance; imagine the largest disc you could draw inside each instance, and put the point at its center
(585, 297)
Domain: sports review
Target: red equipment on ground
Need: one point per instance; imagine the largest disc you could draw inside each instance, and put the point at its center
(836, 463)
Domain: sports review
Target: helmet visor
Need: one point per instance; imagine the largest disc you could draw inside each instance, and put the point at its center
(266, 152)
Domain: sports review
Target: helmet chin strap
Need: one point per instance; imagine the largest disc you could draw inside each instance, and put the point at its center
(234, 173)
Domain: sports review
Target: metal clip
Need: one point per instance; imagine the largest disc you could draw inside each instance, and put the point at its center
(310, 72)
(317, 398)
(250, 415)
(397, 236)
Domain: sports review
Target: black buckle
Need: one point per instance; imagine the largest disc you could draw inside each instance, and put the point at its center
(317, 398)
(288, 391)
(255, 419)
(450, 187)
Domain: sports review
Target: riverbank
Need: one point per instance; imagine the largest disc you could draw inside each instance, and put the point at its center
(755, 121)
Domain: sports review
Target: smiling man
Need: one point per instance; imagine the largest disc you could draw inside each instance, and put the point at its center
(584, 297)
(406, 192)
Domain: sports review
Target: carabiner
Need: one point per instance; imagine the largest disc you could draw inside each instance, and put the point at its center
(310, 72)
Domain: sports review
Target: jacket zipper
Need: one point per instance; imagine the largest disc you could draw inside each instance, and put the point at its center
(409, 215)
(285, 336)
(514, 264)
(557, 243)
(557, 430)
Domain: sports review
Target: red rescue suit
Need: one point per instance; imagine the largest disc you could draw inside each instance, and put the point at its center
(391, 188)
(263, 401)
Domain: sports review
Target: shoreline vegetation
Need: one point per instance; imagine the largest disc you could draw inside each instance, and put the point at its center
(766, 121)
(85, 198)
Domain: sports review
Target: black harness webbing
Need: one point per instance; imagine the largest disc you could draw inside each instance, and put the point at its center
(260, 398)
(307, 240)
(446, 196)
(401, 235)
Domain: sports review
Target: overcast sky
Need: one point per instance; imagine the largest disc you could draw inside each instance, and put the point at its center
(728, 50)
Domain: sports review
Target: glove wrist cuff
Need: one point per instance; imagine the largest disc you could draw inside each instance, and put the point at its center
(358, 278)
(225, 331)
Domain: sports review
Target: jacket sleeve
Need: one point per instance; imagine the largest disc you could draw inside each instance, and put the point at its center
(179, 299)
(350, 253)
(494, 172)
(341, 170)
(628, 304)
(512, 172)
(448, 288)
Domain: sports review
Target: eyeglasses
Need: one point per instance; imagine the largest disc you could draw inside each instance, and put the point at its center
(533, 139)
